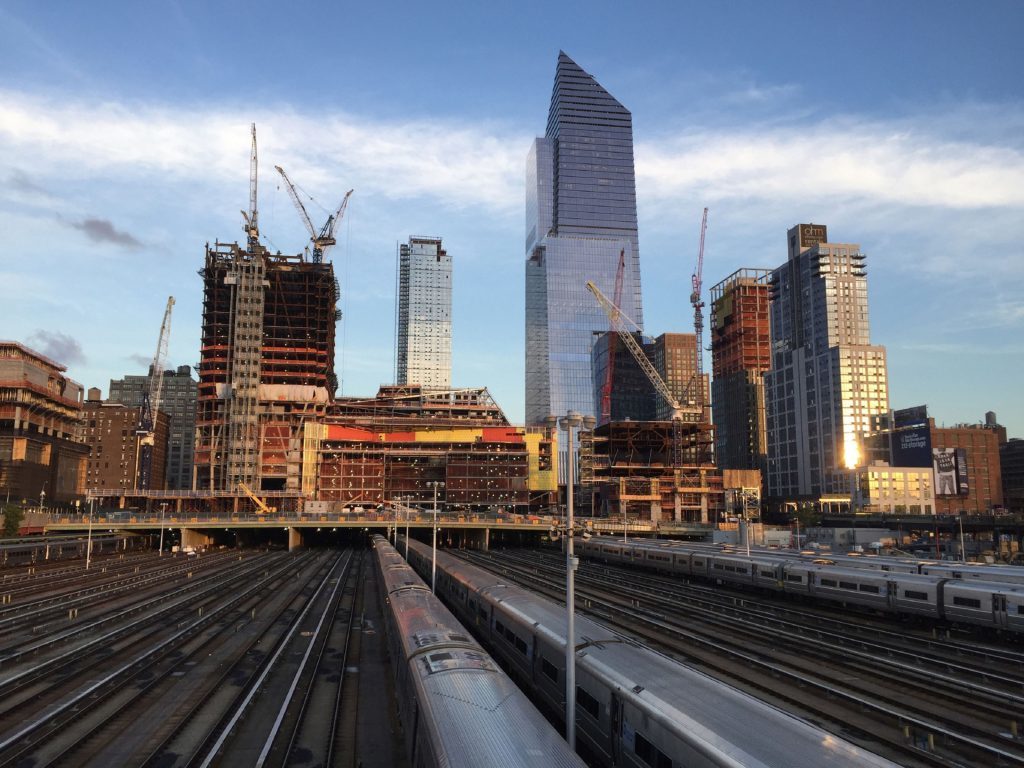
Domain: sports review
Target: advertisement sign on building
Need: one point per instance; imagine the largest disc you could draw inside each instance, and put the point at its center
(912, 447)
(963, 487)
(908, 417)
(944, 463)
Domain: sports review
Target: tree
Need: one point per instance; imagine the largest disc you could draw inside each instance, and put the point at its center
(12, 519)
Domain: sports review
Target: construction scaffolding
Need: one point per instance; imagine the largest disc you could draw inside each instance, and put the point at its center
(652, 470)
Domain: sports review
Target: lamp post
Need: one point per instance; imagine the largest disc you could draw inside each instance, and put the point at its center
(42, 501)
(88, 544)
(570, 421)
(407, 529)
(963, 548)
(163, 508)
(435, 484)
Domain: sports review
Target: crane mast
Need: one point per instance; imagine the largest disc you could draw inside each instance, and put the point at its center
(698, 312)
(252, 227)
(606, 389)
(151, 400)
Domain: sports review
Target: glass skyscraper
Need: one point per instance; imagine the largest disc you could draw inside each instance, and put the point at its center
(580, 214)
(424, 314)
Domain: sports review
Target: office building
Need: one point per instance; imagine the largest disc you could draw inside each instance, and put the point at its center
(110, 430)
(1011, 466)
(42, 462)
(580, 215)
(826, 380)
(423, 317)
(178, 401)
(740, 356)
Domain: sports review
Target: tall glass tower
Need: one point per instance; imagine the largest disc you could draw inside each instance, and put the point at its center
(423, 318)
(580, 214)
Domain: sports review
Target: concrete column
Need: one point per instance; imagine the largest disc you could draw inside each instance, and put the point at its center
(190, 537)
(487, 539)
(294, 538)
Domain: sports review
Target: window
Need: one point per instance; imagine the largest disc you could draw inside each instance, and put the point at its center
(869, 588)
(910, 594)
(795, 578)
(828, 582)
(549, 669)
(588, 703)
(650, 754)
(848, 585)
(967, 602)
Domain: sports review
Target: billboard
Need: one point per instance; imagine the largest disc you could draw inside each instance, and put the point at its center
(944, 464)
(912, 447)
(963, 488)
(906, 417)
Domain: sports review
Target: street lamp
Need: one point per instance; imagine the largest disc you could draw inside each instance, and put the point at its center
(88, 545)
(570, 421)
(407, 529)
(163, 508)
(435, 484)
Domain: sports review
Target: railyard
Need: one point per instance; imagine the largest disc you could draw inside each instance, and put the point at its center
(260, 656)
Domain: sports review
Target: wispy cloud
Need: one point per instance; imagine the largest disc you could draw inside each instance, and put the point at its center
(103, 231)
(58, 346)
(21, 182)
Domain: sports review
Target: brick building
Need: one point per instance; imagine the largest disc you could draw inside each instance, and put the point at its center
(109, 430)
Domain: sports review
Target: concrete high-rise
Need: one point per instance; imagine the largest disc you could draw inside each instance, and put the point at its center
(580, 215)
(423, 315)
(827, 380)
(740, 355)
(178, 401)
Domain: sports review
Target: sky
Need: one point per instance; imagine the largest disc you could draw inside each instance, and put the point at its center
(124, 150)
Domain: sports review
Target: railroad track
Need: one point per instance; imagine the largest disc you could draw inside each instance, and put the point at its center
(798, 668)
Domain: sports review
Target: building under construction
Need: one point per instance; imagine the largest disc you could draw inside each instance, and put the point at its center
(652, 470)
(266, 365)
(407, 443)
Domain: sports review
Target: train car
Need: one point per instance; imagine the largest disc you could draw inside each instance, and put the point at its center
(988, 603)
(914, 594)
(1011, 574)
(456, 705)
(634, 706)
(852, 586)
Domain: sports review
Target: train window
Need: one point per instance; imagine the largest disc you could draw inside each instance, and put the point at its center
(768, 574)
(719, 567)
(828, 582)
(499, 627)
(650, 754)
(589, 704)
(549, 669)
(869, 588)
(911, 594)
(1020, 610)
(967, 602)
(796, 578)
(848, 585)
(520, 644)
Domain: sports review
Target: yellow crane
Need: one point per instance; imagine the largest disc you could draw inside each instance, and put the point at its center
(260, 505)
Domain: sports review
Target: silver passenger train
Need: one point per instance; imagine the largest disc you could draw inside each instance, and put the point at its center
(457, 707)
(634, 707)
(938, 591)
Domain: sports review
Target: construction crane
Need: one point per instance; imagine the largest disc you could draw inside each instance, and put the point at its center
(151, 400)
(698, 310)
(261, 506)
(252, 226)
(606, 390)
(323, 240)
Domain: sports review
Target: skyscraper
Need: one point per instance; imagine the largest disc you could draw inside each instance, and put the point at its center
(178, 401)
(740, 355)
(580, 214)
(826, 379)
(423, 353)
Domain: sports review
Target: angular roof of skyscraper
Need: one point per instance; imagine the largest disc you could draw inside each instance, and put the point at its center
(578, 99)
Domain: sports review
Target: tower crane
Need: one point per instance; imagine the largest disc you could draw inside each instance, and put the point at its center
(323, 240)
(252, 226)
(698, 308)
(606, 390)
(151, 400)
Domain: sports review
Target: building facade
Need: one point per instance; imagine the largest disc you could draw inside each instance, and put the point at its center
(740, 356)
(110, 430)
(580, 216)
(1011, 465)
(968, 476)
(423, 315)
(178, 401)
(886, 490)
(41, 459)
(826, 380)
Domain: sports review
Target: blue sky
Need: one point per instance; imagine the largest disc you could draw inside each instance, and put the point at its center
(124, 149)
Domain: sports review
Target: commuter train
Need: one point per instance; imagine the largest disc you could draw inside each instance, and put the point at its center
(635, 707)
(938, 591)
(40, 549)
(457, 707)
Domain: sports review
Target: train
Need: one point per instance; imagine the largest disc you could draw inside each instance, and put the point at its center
(40, 549)
(456, 705)
(635, 707)
(957, 593)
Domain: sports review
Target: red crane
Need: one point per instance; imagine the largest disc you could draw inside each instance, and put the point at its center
(606, 390)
